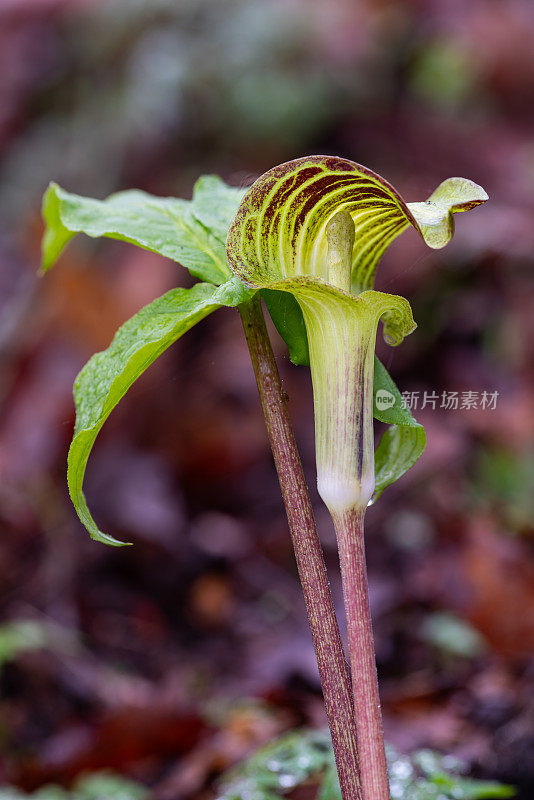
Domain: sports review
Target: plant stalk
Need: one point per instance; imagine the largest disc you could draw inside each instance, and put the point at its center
(370, 737)
(333, 668)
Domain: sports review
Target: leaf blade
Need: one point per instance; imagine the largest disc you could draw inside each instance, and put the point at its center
(401, 444)
(398, 450)
(108, 375)
(215, 204)
(163, 225)
(287, 318)
(303, 756)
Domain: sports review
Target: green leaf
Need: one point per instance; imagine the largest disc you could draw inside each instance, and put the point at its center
(215, 204)
(470, 789)
(444, 774)
(19, 636)
(280, 227)
(389, 406)
(279, 767)
(287, 317)
(398, 450)
(452, 636)
(104, 785)
(175, 228)
(110, 786)
(401, 444)
(330, 788)
(108, 375)
(302, 756)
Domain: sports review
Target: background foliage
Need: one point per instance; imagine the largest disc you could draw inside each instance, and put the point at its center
(155, 645)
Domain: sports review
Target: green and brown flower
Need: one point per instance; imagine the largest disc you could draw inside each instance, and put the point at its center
(316, 228)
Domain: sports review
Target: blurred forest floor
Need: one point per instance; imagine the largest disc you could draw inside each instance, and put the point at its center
(170, 660)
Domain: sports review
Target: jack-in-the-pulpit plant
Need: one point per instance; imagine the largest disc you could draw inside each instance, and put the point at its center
(316, 228)
(306, 237)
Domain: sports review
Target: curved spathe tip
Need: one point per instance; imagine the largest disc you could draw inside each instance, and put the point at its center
(434, 217)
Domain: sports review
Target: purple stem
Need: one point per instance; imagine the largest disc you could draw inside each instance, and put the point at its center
(333, 668)
(373, 768)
